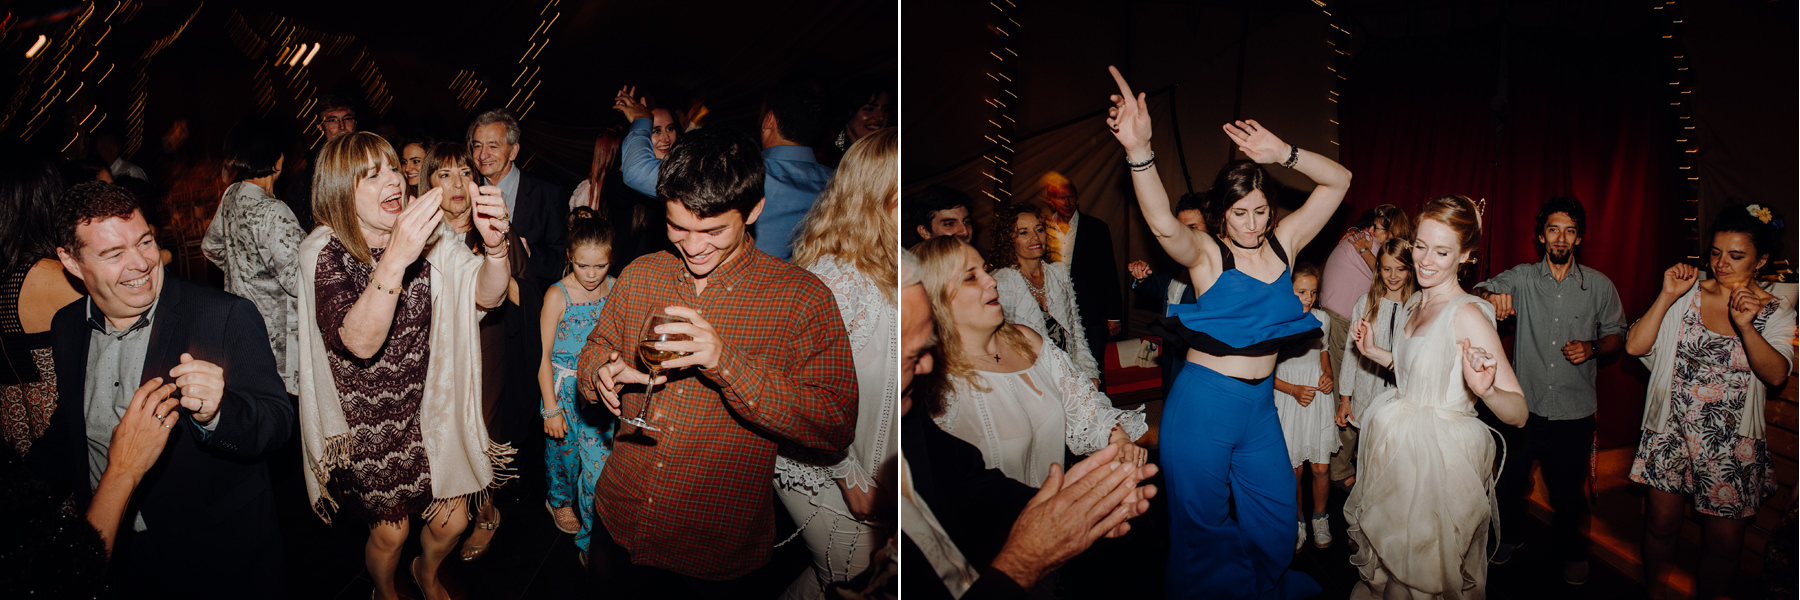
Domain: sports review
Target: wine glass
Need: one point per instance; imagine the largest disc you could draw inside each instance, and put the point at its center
(653, 359)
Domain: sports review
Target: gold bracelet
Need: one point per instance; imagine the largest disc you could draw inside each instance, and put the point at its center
(383, 288)
(505, 244)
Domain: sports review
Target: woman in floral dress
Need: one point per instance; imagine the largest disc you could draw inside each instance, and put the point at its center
(1714, 349)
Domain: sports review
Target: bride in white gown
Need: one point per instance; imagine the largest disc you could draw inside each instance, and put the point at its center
(1420, 512)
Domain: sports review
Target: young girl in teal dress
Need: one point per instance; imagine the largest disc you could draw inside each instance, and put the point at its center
(580, 436)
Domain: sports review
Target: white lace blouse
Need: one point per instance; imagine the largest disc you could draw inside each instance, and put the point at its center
(872, 322)
(1025, 418)
(1059, 298)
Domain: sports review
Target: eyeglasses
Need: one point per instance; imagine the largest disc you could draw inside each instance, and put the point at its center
(336, 120)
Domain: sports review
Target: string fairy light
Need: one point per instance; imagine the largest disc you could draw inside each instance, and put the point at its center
(1001, 98)
(1335, 42)
(1681, 84)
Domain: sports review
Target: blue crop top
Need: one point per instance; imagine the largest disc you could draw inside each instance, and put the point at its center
(1242, 316)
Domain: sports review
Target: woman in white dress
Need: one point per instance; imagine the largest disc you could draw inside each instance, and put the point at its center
(834, 498)
(1360, 379)
(1420, 512)
(1012, 395)
(1035, 292)
(1303, 391)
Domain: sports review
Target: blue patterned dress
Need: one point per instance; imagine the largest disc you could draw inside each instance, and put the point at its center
(573, 463)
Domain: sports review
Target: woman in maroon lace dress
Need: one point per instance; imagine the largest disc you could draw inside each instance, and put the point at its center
(390, 367)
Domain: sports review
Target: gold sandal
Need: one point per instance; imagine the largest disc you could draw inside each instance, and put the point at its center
(473, 552)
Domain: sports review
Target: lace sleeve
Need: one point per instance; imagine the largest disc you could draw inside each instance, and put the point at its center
(857, 299)
(1087, 414)
(853, 474)
(798, 476)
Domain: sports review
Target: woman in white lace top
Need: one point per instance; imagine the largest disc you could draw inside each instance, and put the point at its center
(849, 240)
(1035, 292)
(1014, 396)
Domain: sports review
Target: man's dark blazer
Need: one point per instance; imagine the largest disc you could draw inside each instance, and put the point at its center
(1096, 279)
(210, 515)
(541, 216)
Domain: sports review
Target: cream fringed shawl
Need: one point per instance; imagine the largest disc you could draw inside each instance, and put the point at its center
(464, 463)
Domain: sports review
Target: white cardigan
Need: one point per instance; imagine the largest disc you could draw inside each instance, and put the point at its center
(1059, 297)
(1778, 330)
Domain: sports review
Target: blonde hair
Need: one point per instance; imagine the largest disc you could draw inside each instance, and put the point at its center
(941, 261)
(1400, 250)
(853, 218)
(342, 163)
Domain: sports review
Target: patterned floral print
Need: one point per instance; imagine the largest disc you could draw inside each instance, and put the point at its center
(574, 462)
(1701, 454)
(255, 240)
(388, 470)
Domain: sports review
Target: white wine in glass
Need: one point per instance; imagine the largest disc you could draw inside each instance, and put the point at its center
(654, 358)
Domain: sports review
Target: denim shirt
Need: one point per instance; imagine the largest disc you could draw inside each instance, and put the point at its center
(793, 179)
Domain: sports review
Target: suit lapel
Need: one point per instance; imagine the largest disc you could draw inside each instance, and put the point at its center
(162, 355)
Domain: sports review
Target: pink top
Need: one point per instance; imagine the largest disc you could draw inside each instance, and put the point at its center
(1346, 278)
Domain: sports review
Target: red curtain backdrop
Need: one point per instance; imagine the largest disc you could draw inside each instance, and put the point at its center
(1518, 125)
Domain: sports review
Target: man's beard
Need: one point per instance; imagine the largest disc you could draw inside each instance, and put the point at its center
(1561, 258)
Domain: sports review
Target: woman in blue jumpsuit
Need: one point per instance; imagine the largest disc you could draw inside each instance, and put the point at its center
(1221, 437)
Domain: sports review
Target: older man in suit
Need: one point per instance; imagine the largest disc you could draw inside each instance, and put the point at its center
(202, 521)
(1085, 244)
(539, 209)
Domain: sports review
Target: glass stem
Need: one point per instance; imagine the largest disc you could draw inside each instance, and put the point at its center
(648, 394)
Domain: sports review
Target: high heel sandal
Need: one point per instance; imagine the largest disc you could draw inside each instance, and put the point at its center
(420, 582)
(473, 552)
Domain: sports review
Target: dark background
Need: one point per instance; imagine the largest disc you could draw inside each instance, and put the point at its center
(400, 59)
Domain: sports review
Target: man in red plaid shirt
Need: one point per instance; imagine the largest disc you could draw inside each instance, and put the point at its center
(689, 507)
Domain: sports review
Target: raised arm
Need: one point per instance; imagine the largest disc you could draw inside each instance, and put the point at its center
(1129, 120)
(1766, 362)
(1677, 280)
(364, 328)
(1333, 180)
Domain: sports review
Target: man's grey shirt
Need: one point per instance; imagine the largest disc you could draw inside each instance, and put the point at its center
(115, 363)
(1583, 306)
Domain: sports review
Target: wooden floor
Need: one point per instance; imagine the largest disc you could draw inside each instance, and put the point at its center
(1134, 566)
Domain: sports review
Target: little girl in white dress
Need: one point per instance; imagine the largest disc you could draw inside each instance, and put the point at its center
(1303, 402)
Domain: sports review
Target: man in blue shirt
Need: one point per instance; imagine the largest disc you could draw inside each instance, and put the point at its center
(793, 114)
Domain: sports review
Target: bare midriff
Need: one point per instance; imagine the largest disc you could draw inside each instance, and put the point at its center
(1245, 367)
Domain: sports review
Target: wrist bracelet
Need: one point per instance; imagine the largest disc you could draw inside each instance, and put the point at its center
(383, 288)
(1136, 166)
(1293, 156)
(550, 412)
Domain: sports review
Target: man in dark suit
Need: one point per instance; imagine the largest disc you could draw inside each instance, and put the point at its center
(1085, 244)
(202, 521)
(540, 210)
